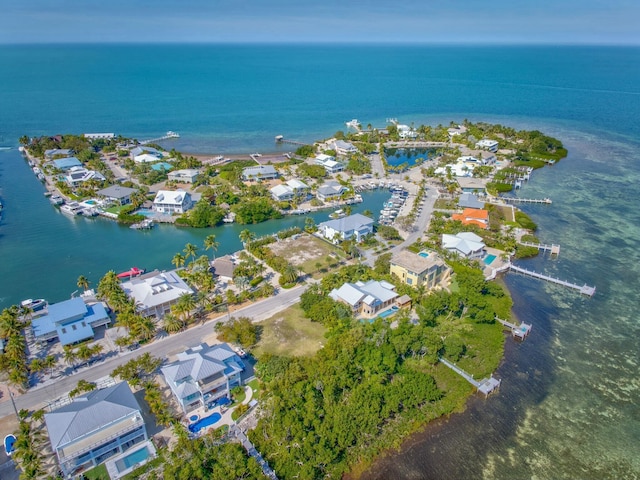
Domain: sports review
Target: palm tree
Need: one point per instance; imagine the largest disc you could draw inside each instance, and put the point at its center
(172, 323)
(247, 236)
(123, 341)
(290, 274)
(83, 282)
(178, 260)
(210, 243)
(190, 250)
(49, 362)
(184, 306)
(145, 328)
(69, 355)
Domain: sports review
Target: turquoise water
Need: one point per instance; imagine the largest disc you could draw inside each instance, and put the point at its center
(204, 422)
(489, 259)
(388, 312)
(408, 156)
(423, 254)
(132, 459)
(567, 406)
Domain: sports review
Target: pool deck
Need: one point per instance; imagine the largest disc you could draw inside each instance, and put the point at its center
(226, 416)
(112, 469)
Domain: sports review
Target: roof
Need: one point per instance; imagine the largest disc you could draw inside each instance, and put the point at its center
(464, 242)
(145, 158)
(89, 413)
(172, 197)
(156, 288)
(323, 157)
(297, 184)
(142, 149)
(331, 188)
(356, 221)
(57, 151)
(416, 263)
(259, 171)
(185, 172)
(372, 292)
(280, 190)
(223, 266)
(71, 320)
(116, 191)
(66, 163)
(475, 213)
(341, 144)
(473, 183)
(469, 200)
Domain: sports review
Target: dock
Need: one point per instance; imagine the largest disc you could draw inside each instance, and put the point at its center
(583, 289)
(485, 386)
(167, 136)
(281, 139)
(546, 201)
(554, 249)
(517, 331)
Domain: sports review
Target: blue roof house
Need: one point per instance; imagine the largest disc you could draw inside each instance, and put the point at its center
(70, 321)
(66, 163)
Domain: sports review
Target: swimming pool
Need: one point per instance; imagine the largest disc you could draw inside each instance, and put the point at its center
(389, 312)
(489, 259)
(204, 422)
(424, 254)
(133, 459)
(146, 212)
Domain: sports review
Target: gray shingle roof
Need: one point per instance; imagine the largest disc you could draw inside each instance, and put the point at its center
(89, 413)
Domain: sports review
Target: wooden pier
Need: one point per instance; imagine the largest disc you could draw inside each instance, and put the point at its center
(485, 386)
(554, 249)
(281, 139)
(546, 201)
(583, 289)
(169, 135)
(517, 331)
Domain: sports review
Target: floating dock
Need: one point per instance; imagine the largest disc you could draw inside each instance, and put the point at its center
(583, 289)
(485, 386)
(517, 331)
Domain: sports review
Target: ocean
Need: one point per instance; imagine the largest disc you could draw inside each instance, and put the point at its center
(567, 407)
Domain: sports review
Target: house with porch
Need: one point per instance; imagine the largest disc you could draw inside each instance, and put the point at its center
(203, 374)
(344, 148)
(172, 201)
(356, 226)
(261, 172)
(78, 175)
(117, 194)
(186, 175)
(330, 190)
(57, 152)
(70, 321)
(94, 427)
(464, 244)
(366, 299)
(154, 293)
(420, 269)
(486, 144)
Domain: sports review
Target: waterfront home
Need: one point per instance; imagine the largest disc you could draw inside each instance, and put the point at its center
(66, 163)
(154, 293)
(94, 427)
(365, 298)
(404, 132)
(146, 158)
(321, 158)
(486, 144)
(70, 321)
(172, 201)
(330, 190)
(417, 269)
(261, 172)
(473, 216)
(282, 193)
(223, 268)
(290, 190)
(354, 226)
(472, 185)
(344, 148)
(78, 175)
(456, 169)
(187, 175)
(469, 160)
(469, 200)
(455, 131)
(117, 194)
(203, 374)
(464, 244)
(329, 163)
(55, 152)
(142, 150)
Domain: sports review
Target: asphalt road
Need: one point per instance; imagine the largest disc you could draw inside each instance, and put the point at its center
(40, 396)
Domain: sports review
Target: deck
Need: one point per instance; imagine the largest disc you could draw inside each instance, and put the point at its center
(583, 289)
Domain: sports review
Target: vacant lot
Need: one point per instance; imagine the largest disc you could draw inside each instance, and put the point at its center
(289, 333)
(308, 253)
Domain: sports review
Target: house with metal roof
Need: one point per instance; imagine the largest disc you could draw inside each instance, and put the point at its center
(154, 293)
(464, 244)
(94, 427)
(141, 150)
(487, 144)
(417, 269)
(290, 190)
(469, 200)
(344, 148)
(203, 374)
(261, 172)
(66, 163)
(70, 321)
(54, 152)
(172, 201)
(186, 175)
(78, 175)
(117, 194)
(330, 190)
(356, 226)
(365, 298)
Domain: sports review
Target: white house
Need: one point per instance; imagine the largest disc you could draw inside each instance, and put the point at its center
(169, 202)
(344, 148)
(331, 190)
(117, 194)
(491, 145)
(464, 244)
(261, 172)
(365, 298)
(146, 158)
(321, 158)
(187, 175)
(455, 131)
(404, 132)
(290, 190)
(155, 292)
(354, 226)
(77, 175)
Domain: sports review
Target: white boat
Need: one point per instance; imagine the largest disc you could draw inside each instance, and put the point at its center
(36, 170)
(338, 214)
(352, 123)
(56, 199)
(173, 134)
(71, 208)
(34, 305)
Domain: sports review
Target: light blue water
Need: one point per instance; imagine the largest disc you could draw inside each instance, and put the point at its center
(204, 422)
(388, 312)
(567, 406)
(489, 259)
(423, 254)
(408, 156)
(132, 459)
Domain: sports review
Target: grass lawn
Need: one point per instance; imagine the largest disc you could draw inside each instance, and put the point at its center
(255, 386)
(116, 209)
(289, 333)
(97, 473)
(309, 253)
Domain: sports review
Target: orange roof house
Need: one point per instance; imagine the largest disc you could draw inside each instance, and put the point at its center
(472, 216)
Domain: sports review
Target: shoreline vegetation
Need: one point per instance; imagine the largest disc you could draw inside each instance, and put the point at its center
(341, 403)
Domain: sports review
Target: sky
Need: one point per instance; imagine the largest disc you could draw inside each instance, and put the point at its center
(607, 22)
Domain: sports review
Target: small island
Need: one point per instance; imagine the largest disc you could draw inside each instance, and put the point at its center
(377, 323)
